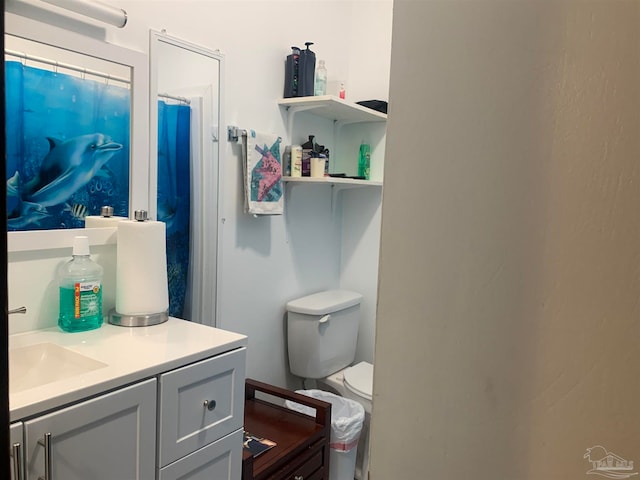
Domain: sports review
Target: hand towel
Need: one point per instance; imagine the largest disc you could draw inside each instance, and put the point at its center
(262, 169)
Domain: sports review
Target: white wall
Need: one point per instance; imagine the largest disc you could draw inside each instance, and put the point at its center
(508, 330)
(265, 262)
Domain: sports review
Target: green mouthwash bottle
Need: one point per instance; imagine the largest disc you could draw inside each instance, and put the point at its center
(80, 282)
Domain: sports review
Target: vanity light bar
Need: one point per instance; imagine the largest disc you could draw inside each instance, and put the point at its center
(97, 10)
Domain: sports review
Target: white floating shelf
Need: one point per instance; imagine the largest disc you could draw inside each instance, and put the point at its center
(333, 108)
(343, 182)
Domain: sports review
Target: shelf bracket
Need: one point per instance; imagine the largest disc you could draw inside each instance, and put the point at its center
(291, 113)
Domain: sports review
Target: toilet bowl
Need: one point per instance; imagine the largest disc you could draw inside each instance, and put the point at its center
(354, 382)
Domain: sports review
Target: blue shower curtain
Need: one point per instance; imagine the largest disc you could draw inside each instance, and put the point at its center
(174, 192)
(67, 148)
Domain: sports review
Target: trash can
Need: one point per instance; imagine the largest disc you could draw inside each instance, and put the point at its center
(347, 418)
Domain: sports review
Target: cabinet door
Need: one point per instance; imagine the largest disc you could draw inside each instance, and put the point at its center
(17, 451)
(106, 438)
(221, 460)
(200, 403)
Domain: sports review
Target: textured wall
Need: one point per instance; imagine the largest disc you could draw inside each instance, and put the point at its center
(507, 334)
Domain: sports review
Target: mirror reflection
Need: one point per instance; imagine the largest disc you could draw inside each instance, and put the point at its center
(68, 136)
(185, 106)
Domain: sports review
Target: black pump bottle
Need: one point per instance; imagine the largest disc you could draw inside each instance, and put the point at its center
(306, 72)
(291, 73)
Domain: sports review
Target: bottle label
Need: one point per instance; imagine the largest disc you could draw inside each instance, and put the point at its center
(87, 299)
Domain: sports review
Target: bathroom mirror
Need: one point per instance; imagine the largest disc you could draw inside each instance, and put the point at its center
(71, 110)
(185, 168)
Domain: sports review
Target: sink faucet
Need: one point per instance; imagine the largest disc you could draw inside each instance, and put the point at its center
(18, 310)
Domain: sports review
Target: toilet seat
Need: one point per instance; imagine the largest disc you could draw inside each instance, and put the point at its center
(359, 379)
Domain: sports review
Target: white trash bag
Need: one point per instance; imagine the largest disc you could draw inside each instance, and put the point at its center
(347, 417)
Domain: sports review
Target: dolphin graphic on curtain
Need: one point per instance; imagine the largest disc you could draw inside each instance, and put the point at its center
(67, 148)
(174, 196)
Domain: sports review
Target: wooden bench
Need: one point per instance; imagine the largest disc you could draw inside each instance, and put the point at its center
(302, 441)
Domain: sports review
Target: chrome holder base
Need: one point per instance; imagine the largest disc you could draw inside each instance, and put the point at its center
(122, 320)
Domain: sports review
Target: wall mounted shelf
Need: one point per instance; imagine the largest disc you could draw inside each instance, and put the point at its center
(337, 184)
(341, 112)
(335, 181)
(333, 108)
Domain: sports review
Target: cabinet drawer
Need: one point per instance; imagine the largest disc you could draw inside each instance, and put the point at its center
(307, 469)
(219, 460)
(308, 464)
(200, 403)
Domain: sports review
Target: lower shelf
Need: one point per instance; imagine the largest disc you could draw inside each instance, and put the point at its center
(344, 182)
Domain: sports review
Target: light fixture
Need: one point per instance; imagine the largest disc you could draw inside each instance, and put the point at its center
(97, 10)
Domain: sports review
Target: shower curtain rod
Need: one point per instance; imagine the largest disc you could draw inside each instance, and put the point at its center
(67, 66)
(174, 97)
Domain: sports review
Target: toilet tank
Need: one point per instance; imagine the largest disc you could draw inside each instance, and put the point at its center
(322, 331)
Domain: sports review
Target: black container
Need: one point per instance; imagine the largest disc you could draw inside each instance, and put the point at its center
(306, 72)
(291, 68)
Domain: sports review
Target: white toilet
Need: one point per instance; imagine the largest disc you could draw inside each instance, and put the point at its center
(322, 331)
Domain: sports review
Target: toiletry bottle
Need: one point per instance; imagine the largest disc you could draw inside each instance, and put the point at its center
(342, 93)
(321, 79)
(308, 151)
(286, 161)
(291, 73)
(80, 283)
(296, 161)
(364, 161)
(306, 71)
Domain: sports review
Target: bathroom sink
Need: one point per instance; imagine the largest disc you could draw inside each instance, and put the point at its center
(44, 363)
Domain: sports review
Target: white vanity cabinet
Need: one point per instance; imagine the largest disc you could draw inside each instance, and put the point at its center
(108, 437)
(201, 418)
(17, 449)
(168, 404)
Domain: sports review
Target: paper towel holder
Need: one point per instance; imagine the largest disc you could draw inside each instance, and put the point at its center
(147, 320)
(143, 319)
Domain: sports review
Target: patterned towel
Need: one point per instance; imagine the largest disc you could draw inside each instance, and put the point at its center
(262, 169)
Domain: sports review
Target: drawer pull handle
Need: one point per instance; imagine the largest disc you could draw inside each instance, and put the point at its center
(17, 461)
(210, 404)
(298, 477)
(46, 443)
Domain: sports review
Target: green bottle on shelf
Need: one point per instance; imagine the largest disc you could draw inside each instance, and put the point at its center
(364, 161)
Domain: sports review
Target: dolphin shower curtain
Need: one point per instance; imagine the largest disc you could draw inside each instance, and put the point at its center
(67, 148)
(174, 196)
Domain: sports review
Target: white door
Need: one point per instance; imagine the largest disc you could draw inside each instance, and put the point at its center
(108, 437)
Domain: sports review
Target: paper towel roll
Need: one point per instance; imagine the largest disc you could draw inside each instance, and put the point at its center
(96, 221)
(141, 268)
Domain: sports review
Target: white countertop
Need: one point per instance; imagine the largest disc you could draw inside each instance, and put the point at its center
(130, 355)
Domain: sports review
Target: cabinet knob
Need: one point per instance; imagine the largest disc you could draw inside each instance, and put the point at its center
(298, 477)
(210, 404)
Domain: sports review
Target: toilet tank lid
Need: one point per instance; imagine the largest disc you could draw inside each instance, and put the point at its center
(325, 302)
